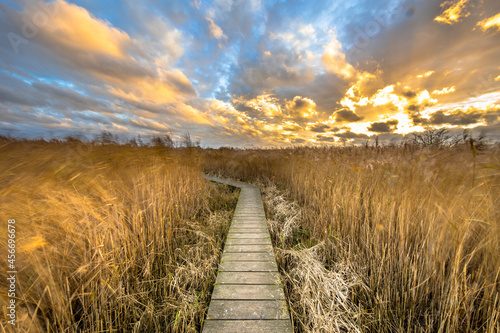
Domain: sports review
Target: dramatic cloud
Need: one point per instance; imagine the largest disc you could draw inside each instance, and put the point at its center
(249, 73)
(335, 61)
(455, 11)
(492, 22)
(301, 107)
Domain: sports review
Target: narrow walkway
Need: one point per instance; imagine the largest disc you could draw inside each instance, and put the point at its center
(248, 295)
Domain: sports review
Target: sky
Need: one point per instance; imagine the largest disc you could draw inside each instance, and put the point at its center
(250, 73)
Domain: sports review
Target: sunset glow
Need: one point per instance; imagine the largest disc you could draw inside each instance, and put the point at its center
(249, 73)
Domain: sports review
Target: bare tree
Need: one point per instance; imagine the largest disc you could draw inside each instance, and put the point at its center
(163, 141)
(432, 137)
(187, 141)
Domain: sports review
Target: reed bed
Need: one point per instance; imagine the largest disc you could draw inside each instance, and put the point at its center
(386, 239)
(110, 238)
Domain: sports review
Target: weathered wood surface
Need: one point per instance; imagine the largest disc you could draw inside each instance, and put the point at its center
(262, 326)
(248, 295)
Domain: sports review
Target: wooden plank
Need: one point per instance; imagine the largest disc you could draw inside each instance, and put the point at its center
(248, 278)
(249, 248)
(247, 235)
(248, 310)
(248, 241)
(247, 230)
(246, 291)
(234, 231)
(250, 220)
(247, 326)
(248, 266)
(240, 225)
(247, 256)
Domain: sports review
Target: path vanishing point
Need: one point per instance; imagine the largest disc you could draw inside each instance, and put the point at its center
(248, 294)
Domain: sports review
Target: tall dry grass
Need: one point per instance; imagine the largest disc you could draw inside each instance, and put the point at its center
(109, 237)
(393, 239)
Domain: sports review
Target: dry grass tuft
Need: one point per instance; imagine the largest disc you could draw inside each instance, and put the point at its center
(318, 297)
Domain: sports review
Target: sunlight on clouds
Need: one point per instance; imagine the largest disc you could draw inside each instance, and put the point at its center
(335, 60)
(424, 98)
(215, 31)
(405, 124)
(492, 22)
(444, 91)
(301, 107)
(488, 101)
(168, 87)
(150, 124)
(74, 28)
(454, 13)
(387, 96)
(267, 104)
(354, 94)
(426, 74)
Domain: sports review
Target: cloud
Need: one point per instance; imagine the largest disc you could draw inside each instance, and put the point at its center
(215, 31)
(425, 75)
(250, 72)
(492, 22)
(346, 116)
(73, 28)
(444, 91)
(266, 105)
(281, 68)
(335, 60)
(321, 128)
(301, 107)
(324, 138)
(384, 127)
(351, 135)
(454, 118)
(455, 12)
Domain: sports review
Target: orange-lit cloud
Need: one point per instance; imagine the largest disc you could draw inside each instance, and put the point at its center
(215, 31)
(455, 12)
(267, 104)
(301, 107)
(444, 91)
(72, 28)
(335, 60)
(250, 72)
(492, 22)
(426, 74)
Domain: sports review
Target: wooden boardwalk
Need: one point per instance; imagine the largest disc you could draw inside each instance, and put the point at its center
(248, 295)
